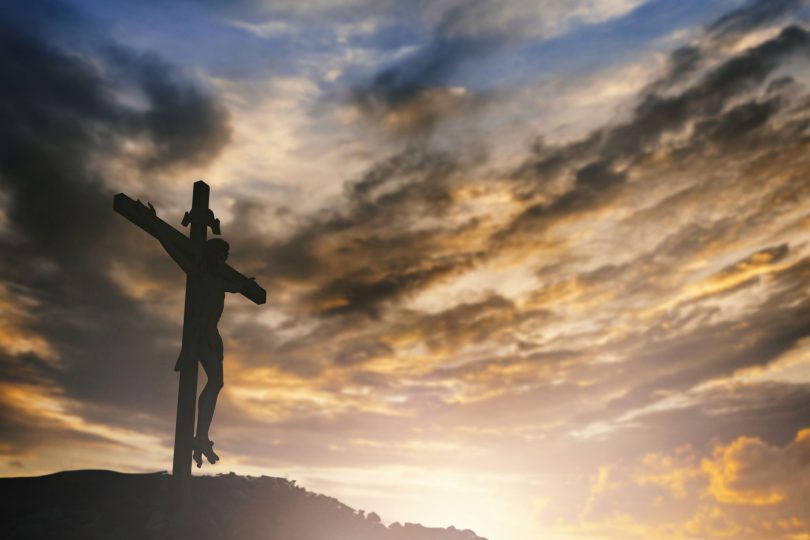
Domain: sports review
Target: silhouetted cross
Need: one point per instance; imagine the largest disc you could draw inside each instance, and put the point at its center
(200, 217)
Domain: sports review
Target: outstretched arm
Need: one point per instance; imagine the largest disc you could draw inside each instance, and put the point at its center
(181, 258)
(236, 286)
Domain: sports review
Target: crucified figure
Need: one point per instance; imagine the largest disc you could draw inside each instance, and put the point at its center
(202, 341)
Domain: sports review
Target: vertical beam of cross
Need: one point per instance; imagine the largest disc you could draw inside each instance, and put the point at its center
(187, 391)
(200, 217)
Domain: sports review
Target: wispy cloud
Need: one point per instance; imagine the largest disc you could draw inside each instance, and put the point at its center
(608, 319)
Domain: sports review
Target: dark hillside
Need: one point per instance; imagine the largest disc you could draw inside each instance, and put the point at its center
(107, 505)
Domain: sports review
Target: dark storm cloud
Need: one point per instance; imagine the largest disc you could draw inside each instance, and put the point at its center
(683, 347)
(26, 368)
(593, 184)
(61, 113)
(752, 15)
(412, 95)
(772, 411)
(718, 349)
(687, 346)
(710, 103)
(386, 198)
(682, 62)
(738, 121)
(24, 432)
(182, 122)
(686, 61)
(350, 341)
(364, 291)
(467, 323)
(657, 114)
(374, 249)
(369, 253)
(23, 427)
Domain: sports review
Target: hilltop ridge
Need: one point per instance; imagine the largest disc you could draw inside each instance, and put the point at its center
(97, 504)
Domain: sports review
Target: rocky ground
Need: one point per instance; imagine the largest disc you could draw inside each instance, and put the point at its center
(106, 505)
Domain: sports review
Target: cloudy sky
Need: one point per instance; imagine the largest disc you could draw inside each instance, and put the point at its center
(539, 268)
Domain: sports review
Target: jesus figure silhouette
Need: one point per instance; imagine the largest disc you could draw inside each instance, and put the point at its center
(202, 341)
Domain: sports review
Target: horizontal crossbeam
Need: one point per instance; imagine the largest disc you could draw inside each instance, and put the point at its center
(139, 214)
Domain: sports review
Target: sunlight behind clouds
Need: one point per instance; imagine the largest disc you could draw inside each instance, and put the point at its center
(536, 269)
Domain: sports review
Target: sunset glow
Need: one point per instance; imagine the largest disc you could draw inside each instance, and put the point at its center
(535, 268)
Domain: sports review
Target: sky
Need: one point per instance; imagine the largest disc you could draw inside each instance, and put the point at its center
(537, 268)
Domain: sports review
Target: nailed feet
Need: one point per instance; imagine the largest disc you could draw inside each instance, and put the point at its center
(204, 447)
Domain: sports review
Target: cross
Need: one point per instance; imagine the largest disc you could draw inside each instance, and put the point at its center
(200, 218)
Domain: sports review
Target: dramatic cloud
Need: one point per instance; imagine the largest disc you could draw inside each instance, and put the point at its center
(598, 331)
(75, 334)
(415, 92)
(743, 489)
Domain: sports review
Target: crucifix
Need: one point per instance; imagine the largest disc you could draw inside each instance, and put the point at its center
(208, 277)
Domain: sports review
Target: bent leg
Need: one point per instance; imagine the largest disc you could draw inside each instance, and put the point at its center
(208, 397)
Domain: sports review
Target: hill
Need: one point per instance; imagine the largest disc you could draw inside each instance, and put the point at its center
(92, 505)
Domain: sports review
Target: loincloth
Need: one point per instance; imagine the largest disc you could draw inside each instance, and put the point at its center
(202, 345)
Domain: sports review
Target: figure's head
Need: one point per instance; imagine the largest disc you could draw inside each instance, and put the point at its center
(214, 252)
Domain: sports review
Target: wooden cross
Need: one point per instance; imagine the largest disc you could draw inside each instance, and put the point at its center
(200, 217)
